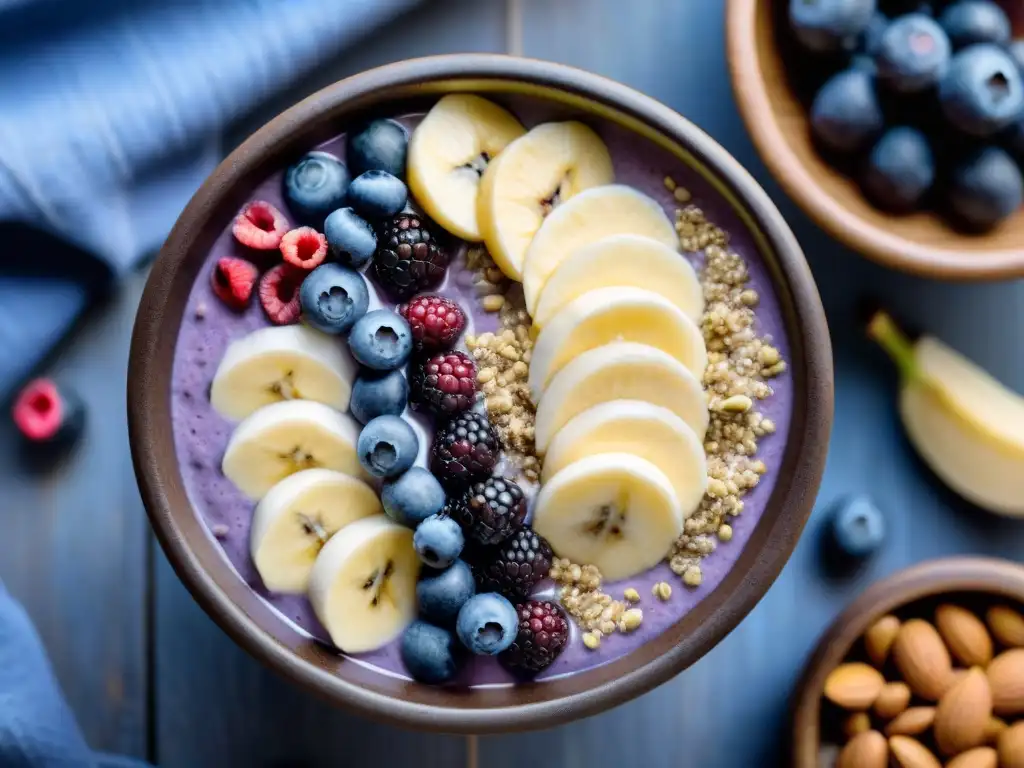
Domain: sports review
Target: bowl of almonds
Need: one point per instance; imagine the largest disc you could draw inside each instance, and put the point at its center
(924, 670)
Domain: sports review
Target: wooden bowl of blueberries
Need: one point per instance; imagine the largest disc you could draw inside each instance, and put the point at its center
(897, 125)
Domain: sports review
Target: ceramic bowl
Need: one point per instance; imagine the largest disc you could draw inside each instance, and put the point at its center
(778, 123)
(413, 86)
(974, 583)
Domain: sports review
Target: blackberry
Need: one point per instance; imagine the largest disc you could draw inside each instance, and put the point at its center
(543, 633)
(409, 259)
(465, 450)
(443, 384)
(515, 566)
(491, 510)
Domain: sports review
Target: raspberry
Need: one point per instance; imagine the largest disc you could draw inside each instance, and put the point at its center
(490, 510)
(233, 280)
(304, 248)
(436, 322)
(47, 414)
(279, 294)
(515, 566)
(465, 449)
(408, 258)
(260, 225)
(443, 384)
(543, 633)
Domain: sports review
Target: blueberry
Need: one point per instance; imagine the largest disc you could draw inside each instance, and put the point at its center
(487, 624)
(826, 26)
(983, 91)
(350, 238)
(1015, 139)
(1016, 51)
(315, 186)
(986, 189)
(381, 340)
(333, 298)
(857, 527)
(913, 54)
(378, 394)
(901, 170)
(846, 114)
(430, 654)
(379, 146)
(378, 194)
(438, 541)
(413, 497)
(441, 594)
(871, 42)
(387, 446)
(976, 21)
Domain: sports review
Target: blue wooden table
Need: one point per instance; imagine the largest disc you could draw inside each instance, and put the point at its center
(149, 674)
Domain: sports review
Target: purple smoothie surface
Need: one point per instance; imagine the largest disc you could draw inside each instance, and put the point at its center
(201, 434)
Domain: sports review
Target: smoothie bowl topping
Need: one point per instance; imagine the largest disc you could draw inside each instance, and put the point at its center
(499, 391)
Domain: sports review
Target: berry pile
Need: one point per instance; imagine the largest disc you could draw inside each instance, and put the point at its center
(924, 106)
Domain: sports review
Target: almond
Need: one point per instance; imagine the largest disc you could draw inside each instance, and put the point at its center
(866, 750)
(922, 659)
(965, 635)
(856, 724)
(1006, 678)
(894, 698)
(854, 685)
(912, 722)
(994, 729)
(879, 638)
(979, 757)
(912, 754)
(1011, 747)
(1007, 625)
(963, 714)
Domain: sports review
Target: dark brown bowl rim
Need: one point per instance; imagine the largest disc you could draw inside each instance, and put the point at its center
(204, 571)
(885, 248)
(991, 576)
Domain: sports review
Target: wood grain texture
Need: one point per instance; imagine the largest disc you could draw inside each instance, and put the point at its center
(73, 545)
(731, 709)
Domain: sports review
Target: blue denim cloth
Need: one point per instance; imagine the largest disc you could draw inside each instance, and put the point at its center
(37, 730)
(111, 110)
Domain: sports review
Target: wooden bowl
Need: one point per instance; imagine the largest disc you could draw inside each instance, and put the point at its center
(914, 592)
(778, 123)
(413, 86)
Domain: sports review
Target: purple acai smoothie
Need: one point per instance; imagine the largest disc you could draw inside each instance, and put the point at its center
(201, 434)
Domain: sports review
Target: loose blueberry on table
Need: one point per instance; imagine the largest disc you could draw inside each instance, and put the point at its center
(365, 339)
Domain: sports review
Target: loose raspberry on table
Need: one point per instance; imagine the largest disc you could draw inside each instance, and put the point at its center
(409, 258)
(515, 566)
(304, 248)
(444, 384)
(436, 322)
(543, 633)
(279, 294)
(465, 449)
(259, 225)
(490, 510)
(232, 281)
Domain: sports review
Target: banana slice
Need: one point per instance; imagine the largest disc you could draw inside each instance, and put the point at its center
(622, 260)
(613, 510)
(630, 426)
(363, 584)
(449, 151)
(592, 215)
(615, 314)
(286, 362)
(295, 519)
(536, 172)
(620, 371)
(284, 438)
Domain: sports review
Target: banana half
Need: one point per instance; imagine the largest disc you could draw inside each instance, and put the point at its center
(296, 518)
(286, 362)
(448, 153)
(363, 584)
(592, 215)
(649, 431)
(607, 315)
(620, 371)
(533, 174)
(614, 510)
(287, 437)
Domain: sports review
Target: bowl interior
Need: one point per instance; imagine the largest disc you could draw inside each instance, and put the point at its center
(974, 583)
(409, 88)
(763, 61)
